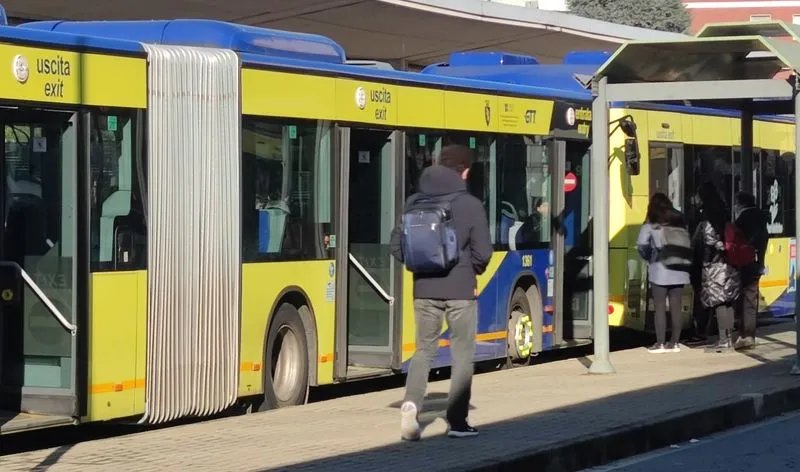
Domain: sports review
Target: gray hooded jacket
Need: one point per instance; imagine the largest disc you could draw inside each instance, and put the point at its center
(472, 234)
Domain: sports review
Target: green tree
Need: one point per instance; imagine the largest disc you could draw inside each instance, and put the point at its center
(663, 15)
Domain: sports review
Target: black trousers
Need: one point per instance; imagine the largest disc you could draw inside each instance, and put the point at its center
(660, 295)
(747, 308)
(702, 316)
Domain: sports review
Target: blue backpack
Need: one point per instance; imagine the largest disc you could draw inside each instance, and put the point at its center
(429, 235)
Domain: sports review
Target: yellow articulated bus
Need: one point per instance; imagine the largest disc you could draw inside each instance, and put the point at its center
(198, 214)
(217, 227)
(680, 147)
(684, 149)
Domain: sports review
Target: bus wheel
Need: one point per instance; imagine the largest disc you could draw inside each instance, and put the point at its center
(285, 360)
(524, 326)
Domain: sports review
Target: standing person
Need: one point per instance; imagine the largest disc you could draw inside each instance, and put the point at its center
(753, 224)
(665, 244)
(720, 284)
(445, 284)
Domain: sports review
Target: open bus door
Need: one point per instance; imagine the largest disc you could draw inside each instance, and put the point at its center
(38, 242)
(572, 250)
(368, 278)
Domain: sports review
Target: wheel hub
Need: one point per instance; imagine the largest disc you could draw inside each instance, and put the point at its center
(286, 364)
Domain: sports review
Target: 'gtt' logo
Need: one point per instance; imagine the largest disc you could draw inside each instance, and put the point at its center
(530, 116)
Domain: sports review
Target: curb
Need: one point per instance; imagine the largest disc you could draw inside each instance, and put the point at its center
(645, 436)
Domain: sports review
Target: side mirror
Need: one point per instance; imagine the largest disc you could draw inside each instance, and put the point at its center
(632, 157)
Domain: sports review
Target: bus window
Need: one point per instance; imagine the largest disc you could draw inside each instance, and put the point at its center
(715, 164)
(777, 192)
(286, 189)
(481, 181)
(667, 172)
(524, 189)
(421, 150)
(118, 220)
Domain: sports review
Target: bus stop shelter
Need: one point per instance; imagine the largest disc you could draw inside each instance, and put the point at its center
(726, 66)
(409, 34)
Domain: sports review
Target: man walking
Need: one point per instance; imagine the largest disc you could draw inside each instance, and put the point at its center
(444, 241)
(753, 223)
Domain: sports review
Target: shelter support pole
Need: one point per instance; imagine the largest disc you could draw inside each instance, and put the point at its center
(599, 207)
(747, 150)
(796, 367)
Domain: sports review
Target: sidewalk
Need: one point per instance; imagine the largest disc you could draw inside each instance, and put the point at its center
(551, 417)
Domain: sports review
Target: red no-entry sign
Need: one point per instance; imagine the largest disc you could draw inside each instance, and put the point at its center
(570, 182)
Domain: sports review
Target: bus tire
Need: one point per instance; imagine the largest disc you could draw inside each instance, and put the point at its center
(524, 326)
(285, 360)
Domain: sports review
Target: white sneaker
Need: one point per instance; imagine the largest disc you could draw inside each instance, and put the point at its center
(409, 426)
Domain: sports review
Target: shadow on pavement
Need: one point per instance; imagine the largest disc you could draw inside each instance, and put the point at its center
(594, 432)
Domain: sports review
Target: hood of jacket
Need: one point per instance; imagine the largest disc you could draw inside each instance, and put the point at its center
(440, 180)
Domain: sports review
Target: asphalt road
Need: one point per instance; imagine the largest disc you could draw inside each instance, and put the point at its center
(771, 446)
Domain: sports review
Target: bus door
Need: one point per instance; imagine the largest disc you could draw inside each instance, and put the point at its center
(368, 277)
(669, 175)
(572, 250)
(38, 273)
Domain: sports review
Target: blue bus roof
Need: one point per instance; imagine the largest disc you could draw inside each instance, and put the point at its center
(207, 33)
(564, 77)
(499, 72)
(280, 49)
(69, 41)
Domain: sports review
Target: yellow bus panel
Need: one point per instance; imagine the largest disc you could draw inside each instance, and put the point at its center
(72, 78)
(268, 93)
(116, 344)
(262, 285)
(290, 95)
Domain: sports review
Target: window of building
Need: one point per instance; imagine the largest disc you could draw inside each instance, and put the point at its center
(286, 189)
(761, 17)
(118, 219)
(796, 19)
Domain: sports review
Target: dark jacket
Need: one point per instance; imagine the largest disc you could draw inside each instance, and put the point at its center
(720, 282)
(753, 223)
(472, 234)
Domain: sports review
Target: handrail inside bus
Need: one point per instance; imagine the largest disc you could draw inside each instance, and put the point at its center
(71, 328)
(374, 283)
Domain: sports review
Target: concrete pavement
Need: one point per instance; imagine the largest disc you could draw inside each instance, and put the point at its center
(549, 417)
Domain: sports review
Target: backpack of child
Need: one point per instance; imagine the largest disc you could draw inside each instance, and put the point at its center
(738, 252)
(676, 248)
(428, 235)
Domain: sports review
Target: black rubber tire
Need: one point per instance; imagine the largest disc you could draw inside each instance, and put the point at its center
(285, 320)
(537, 317)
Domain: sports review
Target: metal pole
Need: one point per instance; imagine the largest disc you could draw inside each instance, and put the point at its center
(796, 368)
(747, 149)
(599, 207)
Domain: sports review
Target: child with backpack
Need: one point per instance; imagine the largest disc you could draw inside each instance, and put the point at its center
(723, 251)
(665, 244)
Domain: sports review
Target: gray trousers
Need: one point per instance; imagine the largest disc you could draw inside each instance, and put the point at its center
(462, 321)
